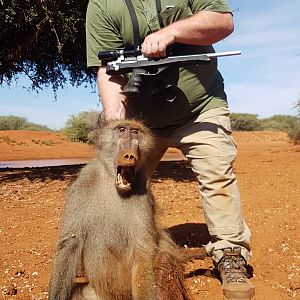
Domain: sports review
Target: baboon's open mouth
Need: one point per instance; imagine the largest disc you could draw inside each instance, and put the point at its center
(125, 178)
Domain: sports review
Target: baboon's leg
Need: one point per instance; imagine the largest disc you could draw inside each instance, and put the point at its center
(169, 278)
(143, 280)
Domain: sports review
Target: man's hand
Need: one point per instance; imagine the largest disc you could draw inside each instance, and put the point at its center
(155, 44)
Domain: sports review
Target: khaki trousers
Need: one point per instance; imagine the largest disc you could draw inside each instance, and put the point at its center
(207, 143)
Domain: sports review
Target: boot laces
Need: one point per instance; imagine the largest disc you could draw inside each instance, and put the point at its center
(234, 268)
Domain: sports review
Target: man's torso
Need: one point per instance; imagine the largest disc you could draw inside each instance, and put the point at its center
(199, 88)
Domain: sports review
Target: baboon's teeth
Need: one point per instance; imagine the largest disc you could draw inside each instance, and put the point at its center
(121, 182)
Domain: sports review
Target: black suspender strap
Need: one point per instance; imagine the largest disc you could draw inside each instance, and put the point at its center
(158, 6)
(135, 25)
(158, 9)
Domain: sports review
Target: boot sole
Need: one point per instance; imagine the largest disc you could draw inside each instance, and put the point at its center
(225, 298)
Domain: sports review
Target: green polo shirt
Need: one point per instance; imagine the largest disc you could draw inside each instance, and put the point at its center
(199, 87)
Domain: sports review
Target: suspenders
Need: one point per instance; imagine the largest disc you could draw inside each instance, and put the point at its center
(135, 24)
(158, 8)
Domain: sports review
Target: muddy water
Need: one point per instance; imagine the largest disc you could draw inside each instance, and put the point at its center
(42, 163)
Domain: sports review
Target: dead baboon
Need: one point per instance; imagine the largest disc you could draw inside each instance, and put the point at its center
(110, 246)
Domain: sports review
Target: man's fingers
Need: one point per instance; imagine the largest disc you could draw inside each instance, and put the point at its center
(162, 49)
(154, 49)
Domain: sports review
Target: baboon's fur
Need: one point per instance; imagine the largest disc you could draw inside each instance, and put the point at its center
(109, 234)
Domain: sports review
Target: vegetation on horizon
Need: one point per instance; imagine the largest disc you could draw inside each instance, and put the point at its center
(19, 123)
(286, 123)
(79, 126)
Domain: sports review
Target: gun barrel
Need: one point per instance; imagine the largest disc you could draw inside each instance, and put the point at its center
(222, 54)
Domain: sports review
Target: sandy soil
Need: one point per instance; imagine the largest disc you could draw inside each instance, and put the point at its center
(26, 145)
(268, 170)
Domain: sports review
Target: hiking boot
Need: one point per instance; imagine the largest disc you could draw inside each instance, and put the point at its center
(236, 284)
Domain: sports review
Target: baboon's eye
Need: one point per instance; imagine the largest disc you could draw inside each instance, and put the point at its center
(134, 131)
(122, 129)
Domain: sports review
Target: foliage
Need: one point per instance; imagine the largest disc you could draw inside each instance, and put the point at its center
(286, 123)
(245, 122)
(289, 124)
(36, 127)
(45, 40)
(12, 122)
(294, 131)
(279, 122)
(19, 123)
(79, 126)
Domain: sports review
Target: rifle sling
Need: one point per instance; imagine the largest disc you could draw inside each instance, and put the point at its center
(158, 9)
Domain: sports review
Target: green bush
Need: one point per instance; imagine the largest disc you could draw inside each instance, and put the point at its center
(245, 122)
(19, 123)
(12, 122)
(36, 127)
(294, 133)
(78, 127)
(294, 130)
(279, 122)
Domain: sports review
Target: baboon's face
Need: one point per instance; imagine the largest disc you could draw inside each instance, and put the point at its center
(130, 138)
(126, 146)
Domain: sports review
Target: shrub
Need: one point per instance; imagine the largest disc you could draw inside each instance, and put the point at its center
(294, 131)
(12, 122)
(36, 127)
(78, 127)
(245, 122)
(279, 122)
(19, 123)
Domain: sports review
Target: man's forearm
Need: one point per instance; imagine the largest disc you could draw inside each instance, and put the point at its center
(203, 28)
(110, 88)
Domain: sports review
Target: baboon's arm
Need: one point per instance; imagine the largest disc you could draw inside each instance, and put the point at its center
(65, 264)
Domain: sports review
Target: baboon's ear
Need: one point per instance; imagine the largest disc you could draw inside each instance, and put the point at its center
(96, 125)
(101, 121)
(93, 136)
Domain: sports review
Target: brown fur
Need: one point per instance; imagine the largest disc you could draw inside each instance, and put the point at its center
(109, 234)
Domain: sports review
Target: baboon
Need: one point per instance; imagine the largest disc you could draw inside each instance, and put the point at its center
(110, 246)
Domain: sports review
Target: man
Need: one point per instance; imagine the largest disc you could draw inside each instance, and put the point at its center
(195, 121)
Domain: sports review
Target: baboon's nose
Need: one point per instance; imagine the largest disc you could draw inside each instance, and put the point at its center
(128, 159)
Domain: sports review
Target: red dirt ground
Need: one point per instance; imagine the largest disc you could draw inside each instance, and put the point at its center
(268, 170)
